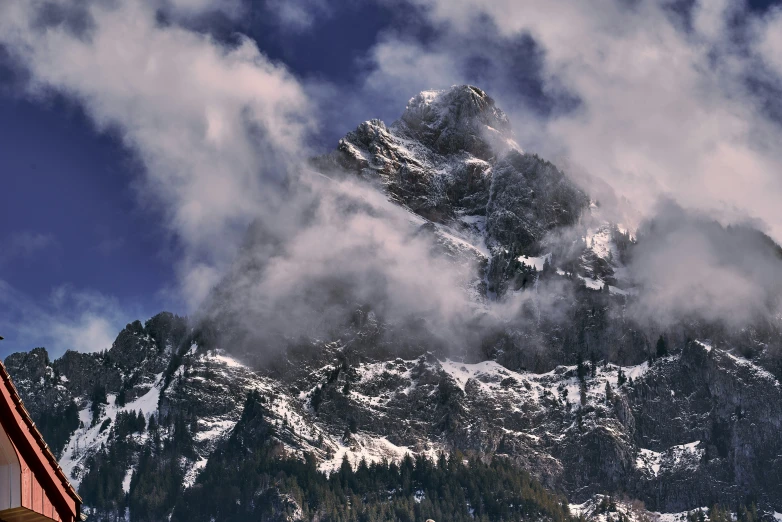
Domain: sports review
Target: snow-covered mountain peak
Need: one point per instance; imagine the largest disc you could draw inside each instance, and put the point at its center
(554, 373)
(452, 155)
(460, 118)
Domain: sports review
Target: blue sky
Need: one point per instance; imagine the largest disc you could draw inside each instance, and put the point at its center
(89, 243)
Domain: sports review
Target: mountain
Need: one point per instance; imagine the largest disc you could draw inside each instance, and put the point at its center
(571, 396)
(451, 157)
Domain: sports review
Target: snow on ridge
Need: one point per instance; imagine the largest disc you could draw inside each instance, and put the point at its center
(228, 361)
(594, 284)
(148, 402)
(479, 247)
(192, 350)
(532, 387)
(637, 371)
(648, 460)
(214, 428)
(192, 472)
(371, 449)
(428, 96)
(675, 517)
(673, 458)
(758, 370)
(87, 439)
(220, 356)
(535, 262)
(601, 241)
(126, 480)
(741, 361)
(633, 511)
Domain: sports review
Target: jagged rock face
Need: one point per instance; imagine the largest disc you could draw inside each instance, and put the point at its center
(699, 425)
(130, 365)
(675, 436)
(35, 378)
(731, 406)
(529, 197)
(452, 153)
(85, 371)
(133, 349)
(463, 118)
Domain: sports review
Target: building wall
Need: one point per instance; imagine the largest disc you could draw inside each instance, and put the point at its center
(20, 491)
(10, 474)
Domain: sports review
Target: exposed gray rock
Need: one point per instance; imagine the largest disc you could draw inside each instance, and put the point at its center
(453, 152)
(701, 424)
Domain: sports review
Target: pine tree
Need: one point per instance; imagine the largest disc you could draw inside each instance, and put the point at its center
(662, 347)
(547, 268)
(581, 369)
(121, 397)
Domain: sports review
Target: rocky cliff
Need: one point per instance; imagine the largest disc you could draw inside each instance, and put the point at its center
(570, 388)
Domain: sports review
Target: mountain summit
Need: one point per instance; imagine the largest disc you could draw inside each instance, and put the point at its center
(462, 118)
(561, 387)
(452, 156)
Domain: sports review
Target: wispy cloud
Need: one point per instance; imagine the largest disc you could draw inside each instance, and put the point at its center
(26, 244)
(297, 15)
(70, 319)
(688, 266)
(643, 102)
(657, 103)
(110, 245)
(214, 125)
(647, 101)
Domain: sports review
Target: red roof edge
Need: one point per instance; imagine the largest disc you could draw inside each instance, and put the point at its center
(51, 460)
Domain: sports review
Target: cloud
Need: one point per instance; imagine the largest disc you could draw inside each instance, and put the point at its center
(768, 36)
(222, 132)
(689, 267)
(71, 319)
(217, 127)
(232, 8)
(640, 102)
(351, 266)
(344, 247)
(634, 97)
(26, 244)
(654, 102)
(109, 245)
(296, 15)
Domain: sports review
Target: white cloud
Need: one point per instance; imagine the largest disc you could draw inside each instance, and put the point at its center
(233, 8)
(218, 129)
(72, 319)
(26, 244)
(664, 110)
(296, 15)
(396, 58)
(689, 266)
(768, 35)
(212, 124)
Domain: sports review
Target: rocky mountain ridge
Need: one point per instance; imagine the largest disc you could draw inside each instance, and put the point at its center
(676, 433)
(452, 157)
(570, 388)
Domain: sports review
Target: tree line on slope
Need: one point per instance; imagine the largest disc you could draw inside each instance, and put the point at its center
(251, 477)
